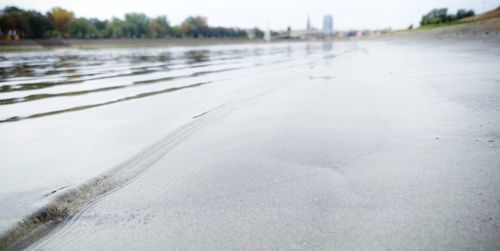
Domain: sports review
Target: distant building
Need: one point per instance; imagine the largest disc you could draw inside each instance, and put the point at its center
(310, 32)
(267, 35)
(328, 25)
(308, 24)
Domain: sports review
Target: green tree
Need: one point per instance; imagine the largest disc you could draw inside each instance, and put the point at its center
(14, 20)
(61, 20)
(117, 28)
(464, 13)
(136, 25)
(438, 16)
(82, 28)
(159, 27)
(40, 25)
(258, 33)
(194, 26)
(175, 31)
(435, 16)
(100, 25)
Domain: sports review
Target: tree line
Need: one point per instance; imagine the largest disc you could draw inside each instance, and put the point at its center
(440, 16)
(62, 23)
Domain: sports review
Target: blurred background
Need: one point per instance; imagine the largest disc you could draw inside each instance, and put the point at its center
(158, 19)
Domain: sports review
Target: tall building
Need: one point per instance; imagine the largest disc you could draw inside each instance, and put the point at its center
(328, 25)
(308, 25)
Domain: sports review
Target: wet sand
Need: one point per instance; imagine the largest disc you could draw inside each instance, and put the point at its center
(384, 144)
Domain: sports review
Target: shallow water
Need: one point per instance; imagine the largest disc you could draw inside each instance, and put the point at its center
(75, 77)
(69, 115)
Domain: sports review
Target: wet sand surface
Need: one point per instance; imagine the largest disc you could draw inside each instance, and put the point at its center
(387, 144)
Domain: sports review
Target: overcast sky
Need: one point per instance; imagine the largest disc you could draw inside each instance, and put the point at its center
(276, 14)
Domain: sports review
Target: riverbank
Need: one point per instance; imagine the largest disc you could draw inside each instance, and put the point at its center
(47, 44)
(295, 145)
(482, 30)
(485, 28)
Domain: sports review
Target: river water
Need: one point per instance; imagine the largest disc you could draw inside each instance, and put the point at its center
(68, 115)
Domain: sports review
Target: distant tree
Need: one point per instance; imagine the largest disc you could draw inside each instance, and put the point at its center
(437, 16)
(100, 25)
(62, 23)
(137, 25)
(175, 31)
(159, 27)
(40, 25)
(14, 20)
(117, 28)
(61, 20)
(27, 24)
(258, 33)
(83, 28)
(194, 26)
(464, 13)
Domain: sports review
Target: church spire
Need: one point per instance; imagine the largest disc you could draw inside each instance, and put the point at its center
(308, 27)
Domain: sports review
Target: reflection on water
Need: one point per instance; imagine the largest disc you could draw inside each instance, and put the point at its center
(327, 45)
(197, 56)
(74, 78)
(84, 107)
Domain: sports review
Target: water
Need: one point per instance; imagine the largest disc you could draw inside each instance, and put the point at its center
(73, 80)
(69, 115)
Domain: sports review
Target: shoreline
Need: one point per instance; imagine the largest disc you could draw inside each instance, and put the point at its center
(478, 30)
(49, 44)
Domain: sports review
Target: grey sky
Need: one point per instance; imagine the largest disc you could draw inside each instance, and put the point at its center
(278, 14)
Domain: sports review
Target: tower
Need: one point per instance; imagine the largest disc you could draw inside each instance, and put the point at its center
(308, 25)
(328, 26)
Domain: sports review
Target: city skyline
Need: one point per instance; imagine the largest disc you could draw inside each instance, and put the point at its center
(276, 15)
